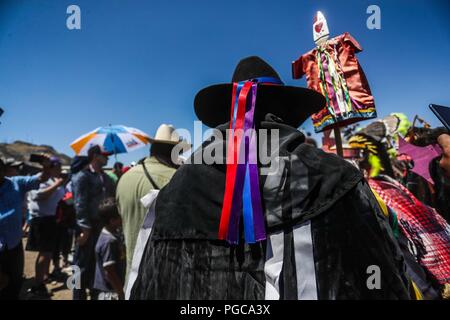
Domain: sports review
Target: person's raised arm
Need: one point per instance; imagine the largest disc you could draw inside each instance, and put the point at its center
(47, 192)
(32, 183)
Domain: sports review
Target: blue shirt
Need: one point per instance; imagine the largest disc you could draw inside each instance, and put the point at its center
(12, 193)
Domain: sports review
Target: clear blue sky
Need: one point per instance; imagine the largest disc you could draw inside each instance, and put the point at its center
(140, 63)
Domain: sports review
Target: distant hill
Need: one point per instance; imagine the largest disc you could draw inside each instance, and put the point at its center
(21, 151)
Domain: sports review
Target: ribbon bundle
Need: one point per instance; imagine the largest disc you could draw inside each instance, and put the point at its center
(242, 192)
(333, 84)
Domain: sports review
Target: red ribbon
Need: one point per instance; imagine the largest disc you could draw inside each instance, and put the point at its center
(233, 154)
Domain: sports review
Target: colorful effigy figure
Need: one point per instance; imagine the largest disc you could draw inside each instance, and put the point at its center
(333, 70)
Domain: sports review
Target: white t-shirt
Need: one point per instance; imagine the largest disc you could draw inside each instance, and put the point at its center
(44, 207)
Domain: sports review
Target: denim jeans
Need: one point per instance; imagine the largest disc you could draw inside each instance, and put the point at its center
(84, 258)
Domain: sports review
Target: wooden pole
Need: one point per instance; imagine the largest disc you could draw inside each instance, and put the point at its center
(338, 141)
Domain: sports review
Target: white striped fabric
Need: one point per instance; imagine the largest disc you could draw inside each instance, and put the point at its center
(149, 202)
(273, 265)
(304, 263)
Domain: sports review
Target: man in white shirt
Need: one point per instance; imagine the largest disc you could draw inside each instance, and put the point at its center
(42, 204)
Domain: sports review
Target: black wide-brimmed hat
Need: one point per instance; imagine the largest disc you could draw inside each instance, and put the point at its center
(292, 104)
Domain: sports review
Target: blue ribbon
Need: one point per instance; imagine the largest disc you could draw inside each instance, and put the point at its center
(247, 193)
(249, 230)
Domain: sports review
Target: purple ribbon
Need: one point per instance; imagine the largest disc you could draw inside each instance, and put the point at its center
(246, 193)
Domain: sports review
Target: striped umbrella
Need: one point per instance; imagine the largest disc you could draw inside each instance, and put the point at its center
(114, 139)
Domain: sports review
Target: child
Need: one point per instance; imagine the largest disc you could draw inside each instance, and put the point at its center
(110, 255)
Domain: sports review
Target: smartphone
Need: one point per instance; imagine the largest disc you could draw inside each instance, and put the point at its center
(38, 158)
(442, 113)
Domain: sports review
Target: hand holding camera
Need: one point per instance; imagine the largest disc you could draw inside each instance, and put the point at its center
(48, 163)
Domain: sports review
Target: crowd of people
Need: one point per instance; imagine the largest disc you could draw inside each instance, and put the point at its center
(76, 214)
(327, 218)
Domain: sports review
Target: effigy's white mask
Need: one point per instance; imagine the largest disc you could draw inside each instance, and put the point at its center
(320, 29)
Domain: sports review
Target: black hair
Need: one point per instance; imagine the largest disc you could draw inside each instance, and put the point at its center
(93, 151)
(118, 166)
(163, 153)
(78, 163)
(108, 211)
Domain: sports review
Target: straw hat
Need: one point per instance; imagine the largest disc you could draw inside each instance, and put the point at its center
(167, 134)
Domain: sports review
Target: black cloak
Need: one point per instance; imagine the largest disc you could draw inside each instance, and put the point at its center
(184, 260)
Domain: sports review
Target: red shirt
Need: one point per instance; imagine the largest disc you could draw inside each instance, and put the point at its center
(345, 48)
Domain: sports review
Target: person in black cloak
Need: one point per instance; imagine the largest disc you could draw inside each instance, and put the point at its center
(325, 234)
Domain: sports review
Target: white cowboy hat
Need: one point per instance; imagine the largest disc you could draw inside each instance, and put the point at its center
(166, 133)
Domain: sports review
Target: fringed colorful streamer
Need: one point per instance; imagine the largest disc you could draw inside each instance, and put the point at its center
(334, 87)
(242, 194)
(340, 104)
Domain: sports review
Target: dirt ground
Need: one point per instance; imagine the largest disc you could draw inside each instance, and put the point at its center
(58, 289)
